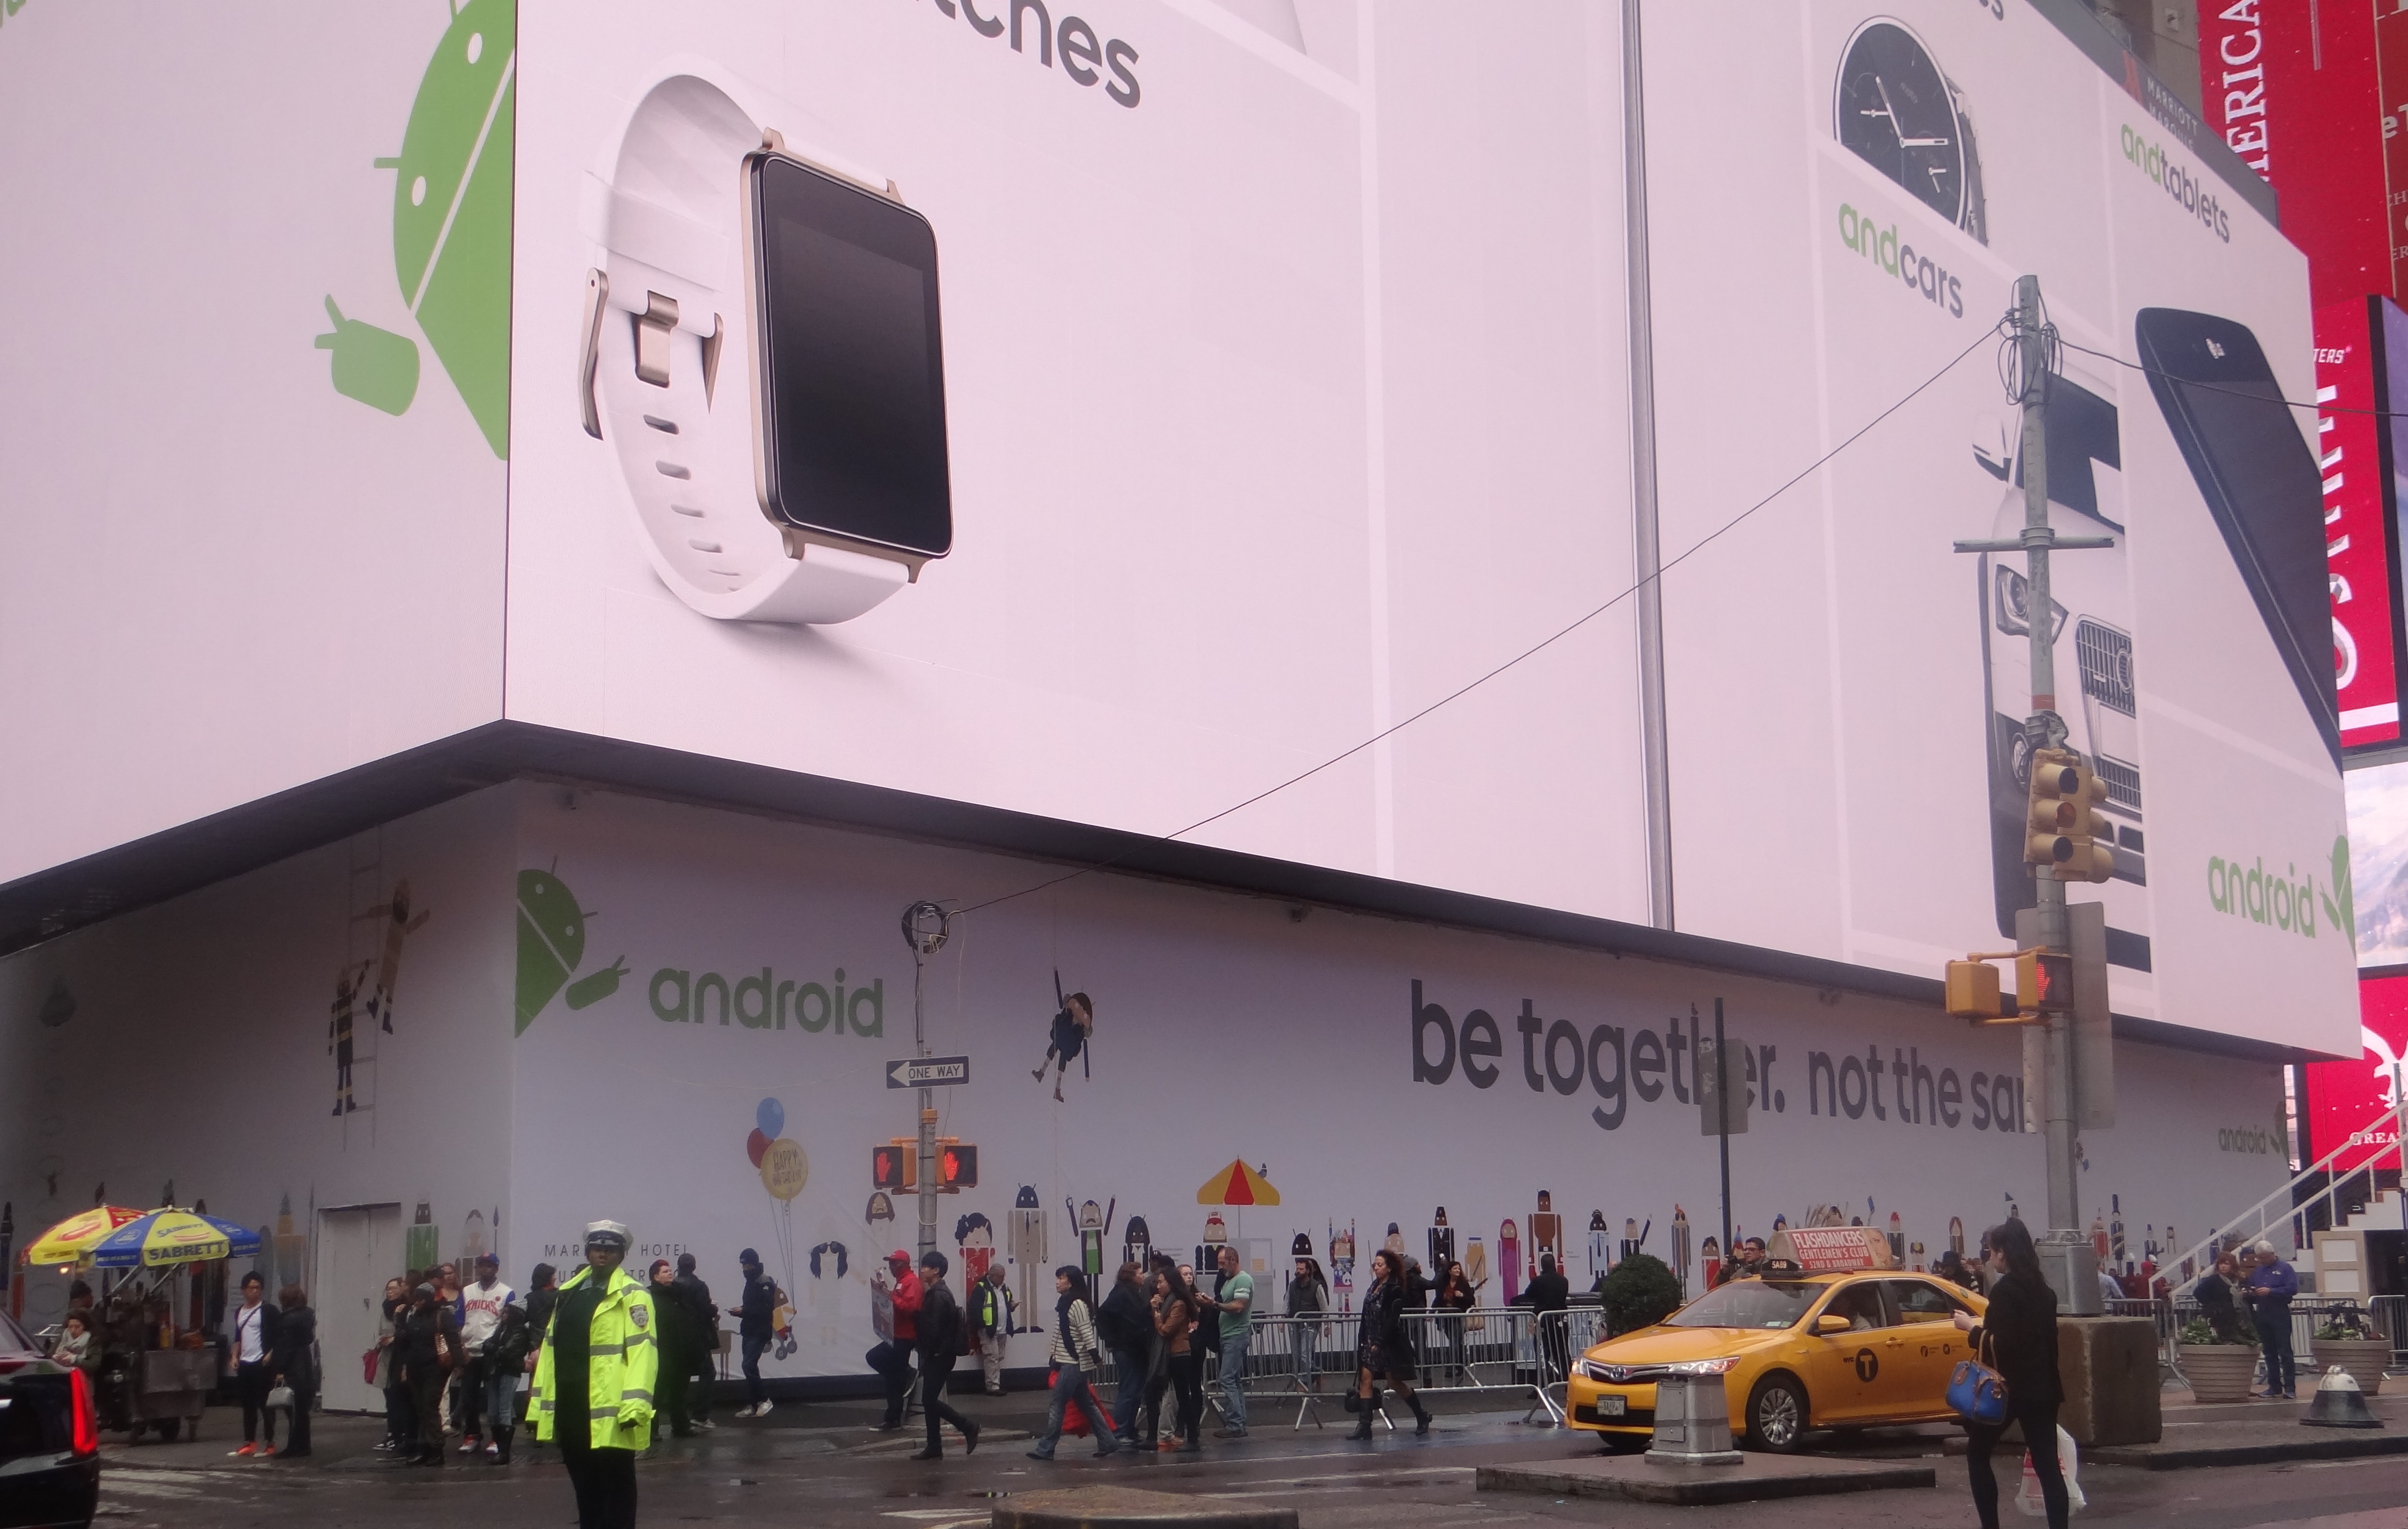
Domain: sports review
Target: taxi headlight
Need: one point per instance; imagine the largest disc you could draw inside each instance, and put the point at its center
(1594, 1372)
(1703, 1366)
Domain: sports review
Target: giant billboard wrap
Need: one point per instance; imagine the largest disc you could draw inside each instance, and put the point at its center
(1109, 411)
(692, 1021)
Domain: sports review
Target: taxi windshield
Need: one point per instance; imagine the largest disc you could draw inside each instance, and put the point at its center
(1748, 1303)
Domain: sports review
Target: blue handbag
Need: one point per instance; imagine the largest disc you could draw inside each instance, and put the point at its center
(1978, 1392)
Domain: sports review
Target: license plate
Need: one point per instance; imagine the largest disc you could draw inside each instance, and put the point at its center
(1612, 1406)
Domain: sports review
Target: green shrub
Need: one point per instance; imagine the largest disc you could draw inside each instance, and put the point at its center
(1639, 1293)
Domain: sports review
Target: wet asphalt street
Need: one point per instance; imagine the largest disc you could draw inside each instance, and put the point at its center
(820, 1465)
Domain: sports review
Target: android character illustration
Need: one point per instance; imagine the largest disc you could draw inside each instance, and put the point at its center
(1441, 1246)
(1342, 1263)
(1094, 1225)
(1709, 1259)
(1915, 1250)
(1025, 1241)
(1957, 1236)
(1681, 1247)
(975, 1236)
(1217, 1236)
(399, 926)
(552, 942)
(451, 231)
(1509, 1259)
(2116, 1246)
(1395, 1241)
(1601, 1249)
(338, 1034)
(831, 1267)
(1631, 1236)
(1897, 1240)
(1546, 1233)
(1137, 1243)
(880, 1209)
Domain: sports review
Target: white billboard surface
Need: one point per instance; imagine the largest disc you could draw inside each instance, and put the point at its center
(1276, 363)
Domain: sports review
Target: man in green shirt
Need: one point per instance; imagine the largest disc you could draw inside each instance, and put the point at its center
(1234, 1300)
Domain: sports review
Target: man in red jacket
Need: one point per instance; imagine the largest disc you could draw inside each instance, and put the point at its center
(892, 1358)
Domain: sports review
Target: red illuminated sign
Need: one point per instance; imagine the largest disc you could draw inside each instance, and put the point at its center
(2358, 556)
(2347, 1101)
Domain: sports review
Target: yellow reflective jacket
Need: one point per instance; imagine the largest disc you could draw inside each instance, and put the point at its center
(624, 1359)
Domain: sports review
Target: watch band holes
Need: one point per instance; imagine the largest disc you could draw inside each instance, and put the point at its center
(701, 546)
(666, 427)
(670, 469)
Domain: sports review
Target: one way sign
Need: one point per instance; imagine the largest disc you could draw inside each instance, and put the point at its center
(927, 1072)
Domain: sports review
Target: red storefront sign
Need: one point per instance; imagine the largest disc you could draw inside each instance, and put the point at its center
(2347, 1101)
(2358, 557)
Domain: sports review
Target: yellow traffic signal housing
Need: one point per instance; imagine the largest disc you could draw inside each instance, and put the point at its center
(1972, 990)
(2093, 857)
(2055, 808)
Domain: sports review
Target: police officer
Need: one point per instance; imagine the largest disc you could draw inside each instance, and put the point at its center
(593, 1392)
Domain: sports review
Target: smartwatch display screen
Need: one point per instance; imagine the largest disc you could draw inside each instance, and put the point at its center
(853, 408)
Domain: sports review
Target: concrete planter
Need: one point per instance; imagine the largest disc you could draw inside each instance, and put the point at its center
(2220, 1372)
(2365, 1359)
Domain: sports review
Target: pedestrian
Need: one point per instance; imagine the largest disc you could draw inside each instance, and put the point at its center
(991, 1320)
(756, 1327)
(1182, 1364)
(255, 1324)
(506, 1352)
(295, 1364)
(2219, 1296)
(73, 1343)
(2017, 1335)
(1386, 1348)
(1950, 1266)
(1308, 1302)
(481, 1305)
(1234, 1299)
(427, 1350)
(446, 1280)
(1125, 1325)
(1550, 1291)
(400, 1437)
(595, 1376)
(2272, 1282)
(1073, 1357)
(703, 1323)
(673, 1322)
(1456, 1296)
(891, 1357)
(543, 1295)
(2110, 1290)
(940, 1332)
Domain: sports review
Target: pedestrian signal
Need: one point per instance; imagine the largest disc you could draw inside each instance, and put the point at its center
(894, 1166)
(956, 1167)
(2043, 983)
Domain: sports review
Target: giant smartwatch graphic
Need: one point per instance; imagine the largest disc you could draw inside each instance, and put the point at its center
(761, 347)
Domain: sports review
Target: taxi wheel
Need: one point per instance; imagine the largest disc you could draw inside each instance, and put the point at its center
(1777, 1415)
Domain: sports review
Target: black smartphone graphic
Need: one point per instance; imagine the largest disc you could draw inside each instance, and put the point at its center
(2260, 481)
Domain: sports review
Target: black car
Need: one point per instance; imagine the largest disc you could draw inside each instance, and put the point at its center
(50, 1439)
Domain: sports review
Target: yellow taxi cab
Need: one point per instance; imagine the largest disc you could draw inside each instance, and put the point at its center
(1830, 1335)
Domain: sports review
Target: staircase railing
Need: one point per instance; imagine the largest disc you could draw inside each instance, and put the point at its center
(2285, 1208)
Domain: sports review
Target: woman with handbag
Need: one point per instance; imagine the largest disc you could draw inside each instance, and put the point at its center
(1183, 1367)
(1386, 1349)
(2017, 1337)
(427, 1350)
(296, 1366)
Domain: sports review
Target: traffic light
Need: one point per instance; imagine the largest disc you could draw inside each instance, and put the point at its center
(956, 1167)
(2044, 982)
(1972, 990)
(2065, 829)
(894, 1166)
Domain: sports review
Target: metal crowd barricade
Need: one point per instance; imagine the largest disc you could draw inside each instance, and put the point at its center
(1563, 1337)
(1313, 1360)
(2391, 1321)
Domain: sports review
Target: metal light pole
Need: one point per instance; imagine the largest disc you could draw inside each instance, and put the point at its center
(925, 928)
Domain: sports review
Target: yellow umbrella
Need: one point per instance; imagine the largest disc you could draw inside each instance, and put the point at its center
(71, 1241)
(161, 1239)
(1237, 1184)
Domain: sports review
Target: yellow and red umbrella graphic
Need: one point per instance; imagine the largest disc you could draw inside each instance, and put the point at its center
(1238, 1184)
(69, 1241)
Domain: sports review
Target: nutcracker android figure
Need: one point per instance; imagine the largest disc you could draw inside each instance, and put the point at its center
(1546, 1233)
(1342, 1264)
(1601, 1249)
(1025, 1241)
(1681, 1247)
(1509, 1259)
(1137, 1243)
(1441, 1246)
(1709, 1259)
(975, 1236)
(1094, 1226)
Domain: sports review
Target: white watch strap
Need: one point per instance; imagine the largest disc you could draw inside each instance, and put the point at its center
(669, 374)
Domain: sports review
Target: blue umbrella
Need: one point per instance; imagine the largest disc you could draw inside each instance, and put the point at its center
(165, 1237)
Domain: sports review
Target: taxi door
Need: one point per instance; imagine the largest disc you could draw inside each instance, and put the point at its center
(1851, 1375)
(1925, 1347)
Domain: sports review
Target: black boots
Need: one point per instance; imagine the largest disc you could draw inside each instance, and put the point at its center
(1421, 1416)
(1366, 1408)
(502, 1445)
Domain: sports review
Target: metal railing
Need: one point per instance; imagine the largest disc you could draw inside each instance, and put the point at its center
(2287, 1216)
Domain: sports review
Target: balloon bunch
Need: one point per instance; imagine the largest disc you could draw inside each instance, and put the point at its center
(784, 1171)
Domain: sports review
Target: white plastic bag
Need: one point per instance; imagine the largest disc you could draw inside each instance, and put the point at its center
(2069, 1460)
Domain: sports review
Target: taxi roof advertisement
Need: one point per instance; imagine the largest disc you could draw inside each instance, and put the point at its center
(1109, 410)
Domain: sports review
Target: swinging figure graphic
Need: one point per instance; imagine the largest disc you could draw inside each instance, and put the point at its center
(1074, 1032)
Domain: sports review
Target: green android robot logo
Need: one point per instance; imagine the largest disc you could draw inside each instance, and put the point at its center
(552, 942)
(2341, 903)
(451, 231)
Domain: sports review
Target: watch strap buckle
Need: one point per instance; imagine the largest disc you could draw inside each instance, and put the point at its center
(653, 327)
